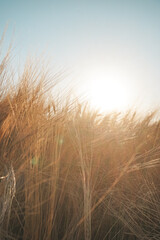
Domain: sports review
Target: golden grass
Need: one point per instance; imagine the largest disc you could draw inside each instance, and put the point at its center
(79, 175)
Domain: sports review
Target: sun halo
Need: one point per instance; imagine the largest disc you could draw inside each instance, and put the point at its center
(107, 91)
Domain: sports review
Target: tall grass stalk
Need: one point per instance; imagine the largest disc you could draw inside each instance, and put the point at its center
(79, 175)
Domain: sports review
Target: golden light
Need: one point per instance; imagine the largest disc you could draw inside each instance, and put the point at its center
(107, 90)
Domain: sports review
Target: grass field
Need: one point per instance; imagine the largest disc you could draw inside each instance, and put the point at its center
(79, 174)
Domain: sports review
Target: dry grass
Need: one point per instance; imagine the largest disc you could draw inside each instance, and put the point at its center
(78, 175)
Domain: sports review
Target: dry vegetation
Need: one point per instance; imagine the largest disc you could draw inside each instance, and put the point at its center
(78, 175)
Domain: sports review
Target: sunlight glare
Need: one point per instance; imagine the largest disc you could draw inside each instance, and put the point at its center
(107, 90)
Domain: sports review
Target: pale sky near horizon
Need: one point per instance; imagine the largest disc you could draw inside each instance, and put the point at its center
(111, 41)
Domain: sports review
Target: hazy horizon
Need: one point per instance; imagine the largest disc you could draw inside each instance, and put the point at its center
(115, 43)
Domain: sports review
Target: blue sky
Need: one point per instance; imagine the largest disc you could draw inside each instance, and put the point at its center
(81, 35)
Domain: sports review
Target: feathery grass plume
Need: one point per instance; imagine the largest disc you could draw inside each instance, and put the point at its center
(79, 174)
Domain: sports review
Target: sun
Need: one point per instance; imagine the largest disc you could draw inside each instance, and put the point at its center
(107, 90)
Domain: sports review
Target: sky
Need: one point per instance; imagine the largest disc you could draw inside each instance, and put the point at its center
(111, 48)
